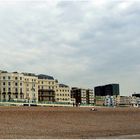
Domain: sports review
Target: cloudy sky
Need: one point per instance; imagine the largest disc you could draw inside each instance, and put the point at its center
(81, 43)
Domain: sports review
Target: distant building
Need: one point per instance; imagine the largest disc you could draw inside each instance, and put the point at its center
(46, 88)
(31, 88)
(123, 100)
(50, 90)
(110, 100)
(82, 96)
(135, 102)
(105, 95)
(136, 95)
(18, 86)
(90, 95)
(30, 83)
(110, 89)
(62, 93)
(99, 100)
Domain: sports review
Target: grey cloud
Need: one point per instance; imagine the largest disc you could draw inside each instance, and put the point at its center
(82, 43)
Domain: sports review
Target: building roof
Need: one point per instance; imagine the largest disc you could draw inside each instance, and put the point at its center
(29, 74)
(107, 85)
(43, 76)
(3, 71)
(63, 85)
(136, 94)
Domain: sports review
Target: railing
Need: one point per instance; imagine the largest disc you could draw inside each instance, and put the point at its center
(46, 103)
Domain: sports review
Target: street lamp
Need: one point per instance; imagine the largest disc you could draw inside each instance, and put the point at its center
(32, 89)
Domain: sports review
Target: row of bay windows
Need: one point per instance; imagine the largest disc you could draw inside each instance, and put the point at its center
(17, 78)
(16, 90)
(39, 87)
(33, 80)
(63, 94)
(46, 82)
(9, 84)
(62, 90)
(16, 84)
(43, 87)
(9, 78)
(10, 97)
(52, 87)
(9, 90)
(63, 99)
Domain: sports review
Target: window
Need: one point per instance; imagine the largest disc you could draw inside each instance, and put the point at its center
(9, 77)
(16, 90)
(20, 78)
(20, 90)
(9, 97)
(20, 84)
(4, 96)
(9, 83)
(16, 78)
(9, 89)
(16, 84)
(42, 82)
(3, 77)
(16, 96)
(3, 89)
(4, 83)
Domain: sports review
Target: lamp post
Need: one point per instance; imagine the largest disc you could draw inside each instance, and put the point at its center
(29, 101)
(32, 89)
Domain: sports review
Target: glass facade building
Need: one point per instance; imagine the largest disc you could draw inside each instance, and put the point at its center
(110, 89)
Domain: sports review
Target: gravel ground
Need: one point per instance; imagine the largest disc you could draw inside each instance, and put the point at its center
(68, 122)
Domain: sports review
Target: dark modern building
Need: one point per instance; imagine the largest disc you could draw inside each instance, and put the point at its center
(76, 94)
(136, 95)
(110, 89)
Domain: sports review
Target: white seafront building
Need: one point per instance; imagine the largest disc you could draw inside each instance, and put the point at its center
(18, 86)
(31, 88)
